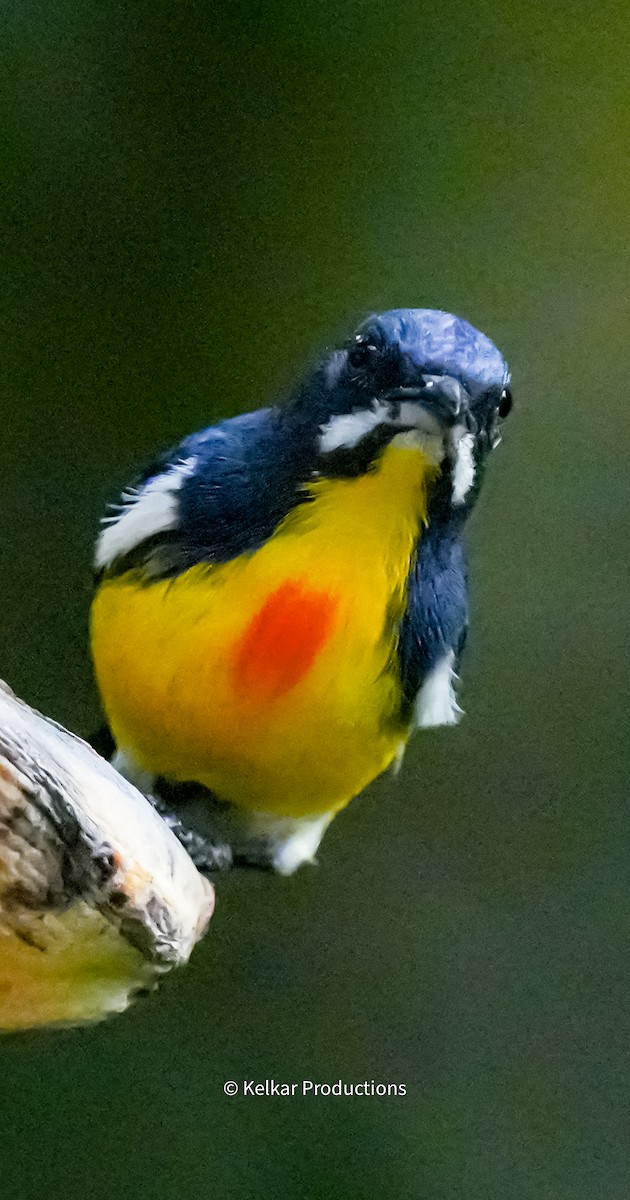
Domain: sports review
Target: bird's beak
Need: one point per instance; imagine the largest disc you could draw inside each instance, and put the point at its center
(436, 407)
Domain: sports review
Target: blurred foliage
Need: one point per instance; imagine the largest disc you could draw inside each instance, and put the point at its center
(197, 198)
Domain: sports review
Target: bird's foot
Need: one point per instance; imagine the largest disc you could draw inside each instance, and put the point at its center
(255, 853)
(208, 856)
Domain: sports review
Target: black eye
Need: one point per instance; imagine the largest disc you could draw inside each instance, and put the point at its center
(505, 404)
(362, 353)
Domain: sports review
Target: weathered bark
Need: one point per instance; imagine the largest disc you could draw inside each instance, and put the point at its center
(97, 897)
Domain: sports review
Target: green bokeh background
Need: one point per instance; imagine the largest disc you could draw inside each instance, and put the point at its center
(196, 199)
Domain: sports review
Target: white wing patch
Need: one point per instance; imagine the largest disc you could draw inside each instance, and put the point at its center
(436, 703)
(464, 468)
(153, 509)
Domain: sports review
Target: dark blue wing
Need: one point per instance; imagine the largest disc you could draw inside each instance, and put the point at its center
(436, 619)
(243, 476)
(248, 477)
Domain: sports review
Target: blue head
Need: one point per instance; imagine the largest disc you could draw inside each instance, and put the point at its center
(409, 370)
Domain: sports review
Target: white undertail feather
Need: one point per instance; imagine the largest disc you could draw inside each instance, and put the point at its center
(152, 509)
(436, 702)
(292, 841)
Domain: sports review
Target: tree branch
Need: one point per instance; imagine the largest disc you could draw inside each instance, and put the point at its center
(97, 897)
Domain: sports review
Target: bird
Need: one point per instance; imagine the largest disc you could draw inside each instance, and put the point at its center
(281, 599)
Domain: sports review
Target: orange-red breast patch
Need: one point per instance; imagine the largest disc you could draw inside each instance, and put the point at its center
(282, 641)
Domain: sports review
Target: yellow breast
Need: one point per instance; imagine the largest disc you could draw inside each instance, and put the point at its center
(272, 679)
